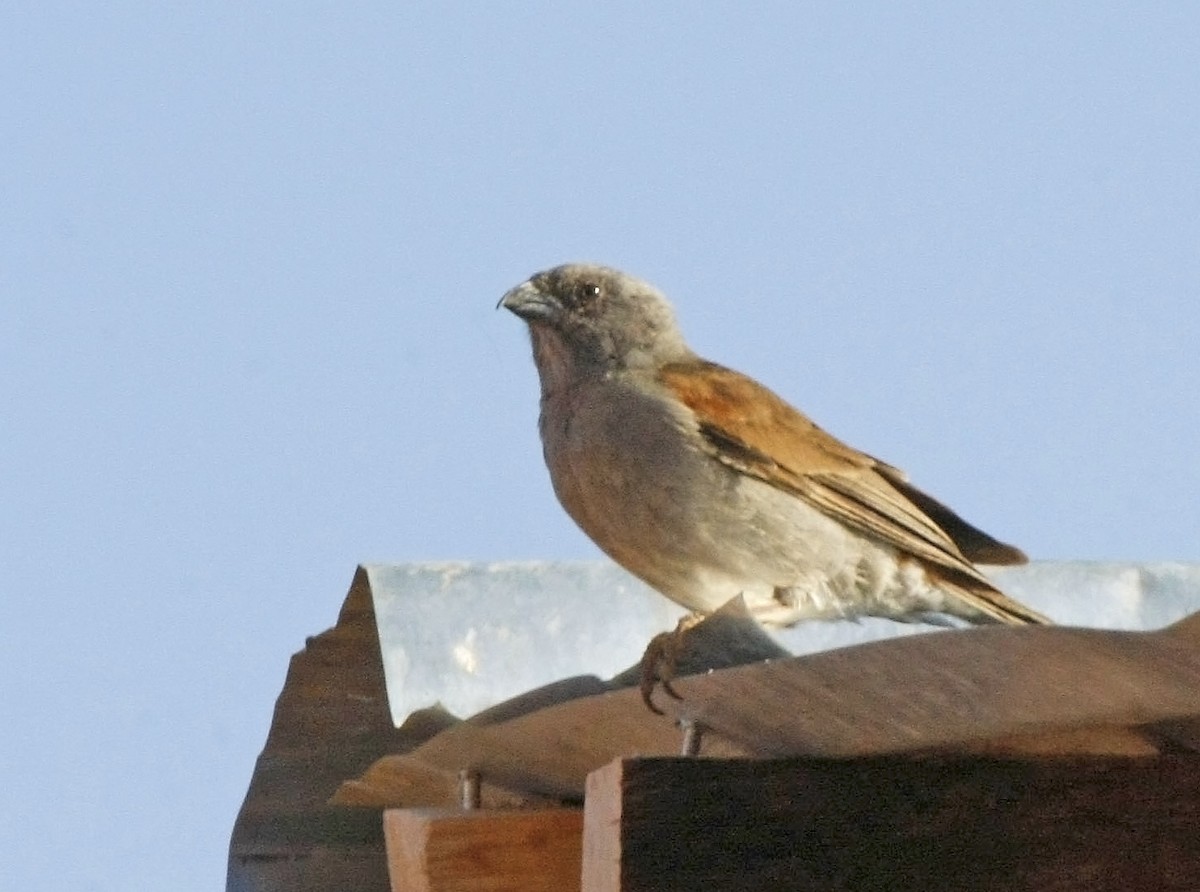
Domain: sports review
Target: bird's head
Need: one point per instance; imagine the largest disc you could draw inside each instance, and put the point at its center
(595, 320)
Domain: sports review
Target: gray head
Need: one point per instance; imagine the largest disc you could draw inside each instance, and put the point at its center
(588, 319)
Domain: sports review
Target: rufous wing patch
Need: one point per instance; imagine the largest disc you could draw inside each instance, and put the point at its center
(752, 430)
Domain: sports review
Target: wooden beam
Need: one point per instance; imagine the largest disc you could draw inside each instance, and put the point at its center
(439, 850)
(896, 822)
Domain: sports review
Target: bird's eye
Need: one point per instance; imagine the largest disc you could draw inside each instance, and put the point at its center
(588, 290)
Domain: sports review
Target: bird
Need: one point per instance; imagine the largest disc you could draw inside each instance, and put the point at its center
(708, 486)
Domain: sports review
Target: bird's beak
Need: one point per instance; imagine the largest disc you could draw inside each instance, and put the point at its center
(530, 303)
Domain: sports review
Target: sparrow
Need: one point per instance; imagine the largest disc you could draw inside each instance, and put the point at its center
(707, 485)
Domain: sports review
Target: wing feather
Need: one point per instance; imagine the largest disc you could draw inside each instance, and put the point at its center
(755, 432)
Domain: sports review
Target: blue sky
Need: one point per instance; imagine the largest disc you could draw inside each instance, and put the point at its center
(249, 257)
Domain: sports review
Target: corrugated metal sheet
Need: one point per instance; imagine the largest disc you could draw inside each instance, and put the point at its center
(471, 635)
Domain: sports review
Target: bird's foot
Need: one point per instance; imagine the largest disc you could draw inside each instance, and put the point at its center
(661, 659)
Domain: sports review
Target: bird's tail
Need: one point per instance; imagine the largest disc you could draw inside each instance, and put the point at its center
(987, 604)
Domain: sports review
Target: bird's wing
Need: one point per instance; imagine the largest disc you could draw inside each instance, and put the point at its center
(975, 545)
(750, 429)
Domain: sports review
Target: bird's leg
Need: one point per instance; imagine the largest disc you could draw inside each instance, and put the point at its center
(661, 659)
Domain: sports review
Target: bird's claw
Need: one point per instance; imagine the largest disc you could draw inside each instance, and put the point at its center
(660, 661)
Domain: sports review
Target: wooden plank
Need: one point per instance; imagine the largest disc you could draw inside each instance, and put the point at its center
(1077, 823)
(438, 850)
(403, 782)
(551, 751)
(949, 689)
(1045, 689)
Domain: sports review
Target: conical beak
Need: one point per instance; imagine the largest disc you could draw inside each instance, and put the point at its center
(530, 303)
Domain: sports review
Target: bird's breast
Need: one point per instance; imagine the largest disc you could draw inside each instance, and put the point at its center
(632, 471)
(628, 470)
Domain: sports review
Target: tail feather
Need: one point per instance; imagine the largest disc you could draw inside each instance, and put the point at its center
(988, 604)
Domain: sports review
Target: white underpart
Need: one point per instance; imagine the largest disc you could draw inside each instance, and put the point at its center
(803, 566)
